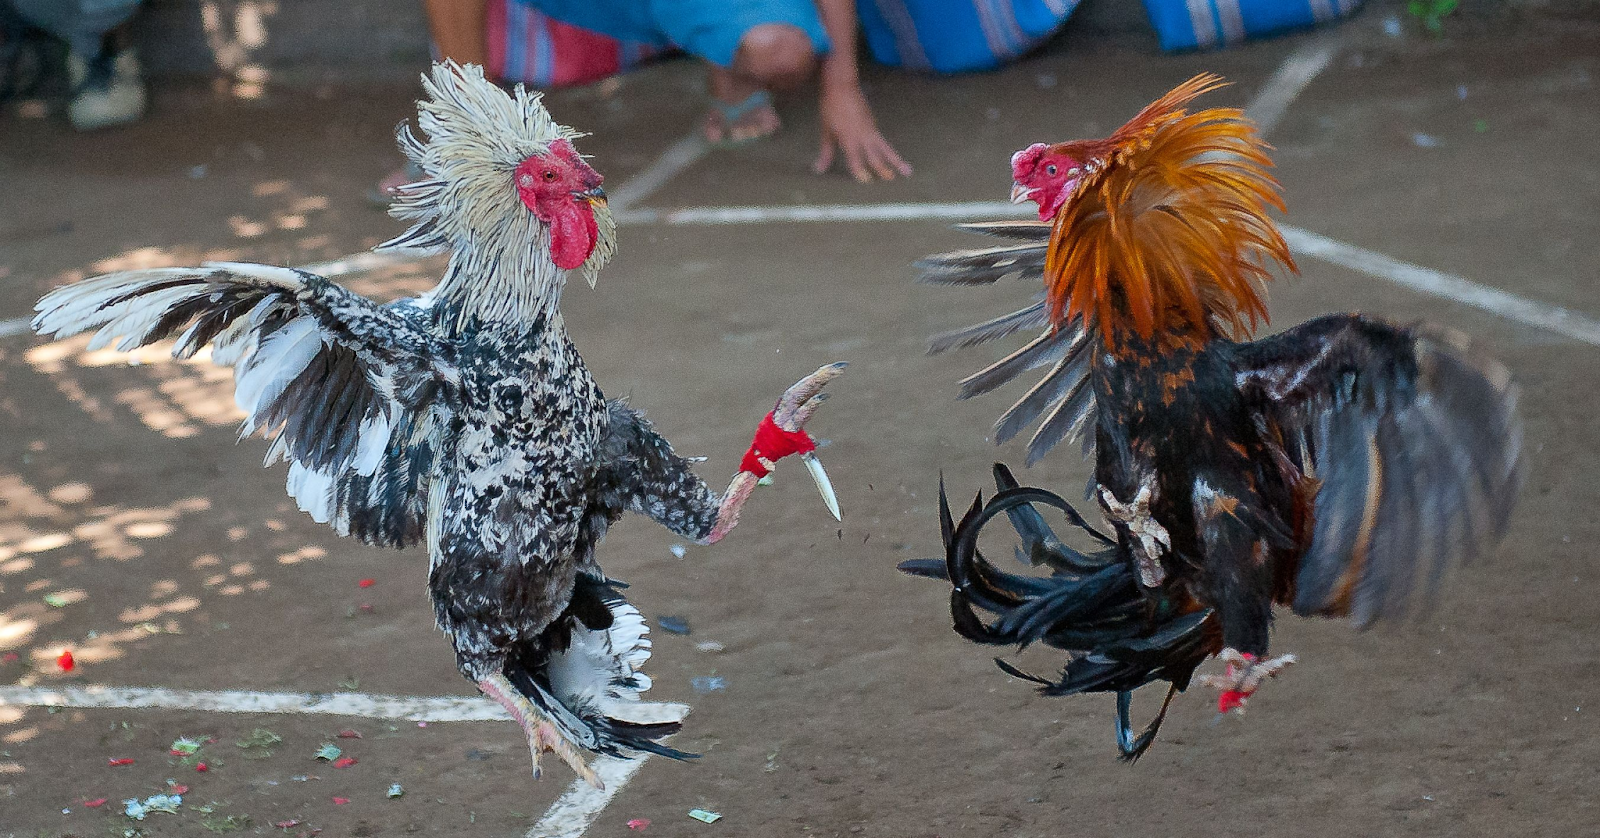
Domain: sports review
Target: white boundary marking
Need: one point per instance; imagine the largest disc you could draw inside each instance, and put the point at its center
(409, 708)
(568, 817)
(1291, 77)
(573, 812)
(678, 156)
(1562, 321)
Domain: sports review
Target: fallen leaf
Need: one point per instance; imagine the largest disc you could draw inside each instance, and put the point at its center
(328, 752)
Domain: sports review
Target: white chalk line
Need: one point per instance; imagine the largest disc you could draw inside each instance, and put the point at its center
(678, 156)
(1304, 243)
(1291, 77)
(1562, 321)
(572, 813)
(408, 708)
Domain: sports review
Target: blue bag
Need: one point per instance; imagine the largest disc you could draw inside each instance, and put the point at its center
(1202, 24)
(954, 36)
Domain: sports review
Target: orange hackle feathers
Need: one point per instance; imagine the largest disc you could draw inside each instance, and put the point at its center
(1167, 233)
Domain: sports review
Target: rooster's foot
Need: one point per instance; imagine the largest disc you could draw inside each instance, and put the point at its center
(542, 734)
(1244, 676)
(1152, 540)
(780, 434)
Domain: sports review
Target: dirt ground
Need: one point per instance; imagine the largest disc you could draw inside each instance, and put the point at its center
(170, 558)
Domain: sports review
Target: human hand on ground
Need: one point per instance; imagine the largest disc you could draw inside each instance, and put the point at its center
(849, 129)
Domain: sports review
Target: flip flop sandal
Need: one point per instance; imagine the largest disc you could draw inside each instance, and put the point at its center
(731, 114)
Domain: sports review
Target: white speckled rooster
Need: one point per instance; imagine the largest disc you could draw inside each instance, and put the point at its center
(465, 417)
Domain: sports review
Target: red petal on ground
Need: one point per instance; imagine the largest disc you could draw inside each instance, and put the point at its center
(116, 762)
(349, 734)
(177, 788)
(65, 661)
(290, 824)
(367, 583)
(95, 803)
(639, 824)
(344, 762)
(201, 767)
(8, 657)
(340, 801)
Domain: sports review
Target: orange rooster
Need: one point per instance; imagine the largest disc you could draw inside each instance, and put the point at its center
(1336, 467)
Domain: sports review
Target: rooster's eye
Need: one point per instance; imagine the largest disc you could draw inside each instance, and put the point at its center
(549, 175)
(1050, 170)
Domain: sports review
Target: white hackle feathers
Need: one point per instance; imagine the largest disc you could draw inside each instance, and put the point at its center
(467, 203)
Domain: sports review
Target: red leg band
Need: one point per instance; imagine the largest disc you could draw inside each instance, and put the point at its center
(773, 443)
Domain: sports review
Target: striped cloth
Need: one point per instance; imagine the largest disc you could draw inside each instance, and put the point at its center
(953, 36)
(527, 46)
(1204, 24)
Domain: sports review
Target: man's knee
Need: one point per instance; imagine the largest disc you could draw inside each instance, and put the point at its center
(778, 54)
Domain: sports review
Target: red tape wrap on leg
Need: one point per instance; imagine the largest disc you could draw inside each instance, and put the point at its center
(773, 443)
(1234, 699)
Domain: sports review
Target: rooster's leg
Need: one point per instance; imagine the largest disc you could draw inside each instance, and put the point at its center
(794, 408)
(1244, 676)
(541, 733)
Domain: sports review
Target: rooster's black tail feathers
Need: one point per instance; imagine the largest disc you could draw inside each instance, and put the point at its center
(1091, 606)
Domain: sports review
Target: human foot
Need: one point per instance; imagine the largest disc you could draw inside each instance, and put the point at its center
(740, 112)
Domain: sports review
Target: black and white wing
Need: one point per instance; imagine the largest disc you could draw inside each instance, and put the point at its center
(350, 393)
(1413, 437)
(1063, 398)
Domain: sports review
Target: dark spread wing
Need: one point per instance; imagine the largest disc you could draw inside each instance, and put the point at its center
(348, 391)
(1062, 401)
(639, 471)
(1414, 437)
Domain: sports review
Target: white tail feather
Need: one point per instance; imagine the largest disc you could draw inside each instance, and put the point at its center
(600, 669)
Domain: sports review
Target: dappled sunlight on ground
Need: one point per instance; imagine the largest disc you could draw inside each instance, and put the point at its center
(41, 538)
(176, 398)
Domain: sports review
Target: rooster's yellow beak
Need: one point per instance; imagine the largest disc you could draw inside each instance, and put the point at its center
(596, 196)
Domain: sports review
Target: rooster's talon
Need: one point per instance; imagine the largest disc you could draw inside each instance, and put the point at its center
(787, 415)
(1243, 677)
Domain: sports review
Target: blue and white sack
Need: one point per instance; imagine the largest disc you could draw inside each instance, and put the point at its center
(1206, 24)
(955, 36)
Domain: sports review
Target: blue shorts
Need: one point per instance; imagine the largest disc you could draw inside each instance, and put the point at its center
(709, 29)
